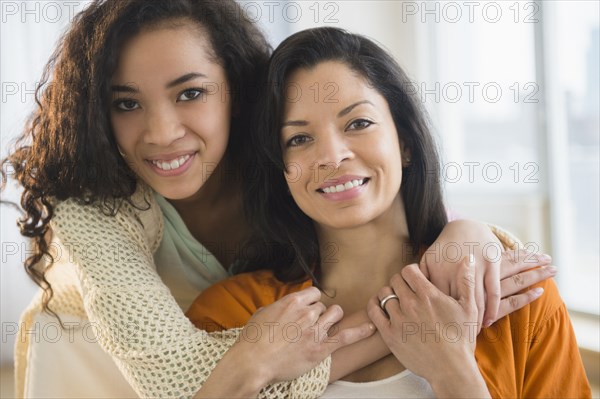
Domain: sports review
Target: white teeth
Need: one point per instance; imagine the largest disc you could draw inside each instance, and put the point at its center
(173, 164)
(343, 187)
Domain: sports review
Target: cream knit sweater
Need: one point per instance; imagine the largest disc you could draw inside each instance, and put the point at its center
(105, 272)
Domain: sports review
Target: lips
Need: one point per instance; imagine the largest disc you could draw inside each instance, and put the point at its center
(171, 164)
(342, 184)
(338, 188)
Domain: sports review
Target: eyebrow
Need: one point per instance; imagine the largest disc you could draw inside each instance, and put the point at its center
(349, 108)
(343, 112)
(182, 79)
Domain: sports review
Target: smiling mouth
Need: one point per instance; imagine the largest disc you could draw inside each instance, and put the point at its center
(171, 164)
(343, 187)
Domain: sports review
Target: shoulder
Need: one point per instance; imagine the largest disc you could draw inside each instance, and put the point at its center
(139, 215)
(536, 315)
(524, 324)
(254, 290)
(230, 303)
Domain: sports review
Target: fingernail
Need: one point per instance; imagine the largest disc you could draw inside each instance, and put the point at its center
(545, 258)
(538, 291)
(487, 323)
(371, 326)
(552, 269)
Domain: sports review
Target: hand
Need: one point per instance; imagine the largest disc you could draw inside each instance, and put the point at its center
(520, 269)
(430, 333)
(458, 239)
(290, 337)
(493, 267)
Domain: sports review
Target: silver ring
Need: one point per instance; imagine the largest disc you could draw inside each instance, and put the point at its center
(387, 298)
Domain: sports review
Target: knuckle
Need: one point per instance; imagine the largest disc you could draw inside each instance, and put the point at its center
(514, 302)
(512, 256)
(524, 254)
(494, 295)
(404, 272)
(343, 338)
(313, 314)
(293, 300)
(396, 278)
(518, 280)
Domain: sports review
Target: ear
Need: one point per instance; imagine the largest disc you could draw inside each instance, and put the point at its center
(406, 154)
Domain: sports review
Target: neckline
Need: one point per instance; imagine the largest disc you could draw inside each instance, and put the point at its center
(389, 379)
(169, 212)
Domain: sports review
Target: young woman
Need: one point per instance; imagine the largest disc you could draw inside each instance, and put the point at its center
(379, 207)
(131, 171)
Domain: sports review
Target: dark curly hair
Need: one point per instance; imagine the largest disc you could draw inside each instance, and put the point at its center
(68, 151)
(288, 241)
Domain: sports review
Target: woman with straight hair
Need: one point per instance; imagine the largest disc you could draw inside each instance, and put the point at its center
(357, 227)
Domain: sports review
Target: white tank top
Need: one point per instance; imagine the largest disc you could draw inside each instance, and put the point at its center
(403, 385)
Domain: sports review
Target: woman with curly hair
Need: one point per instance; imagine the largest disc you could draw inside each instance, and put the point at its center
(132, 167)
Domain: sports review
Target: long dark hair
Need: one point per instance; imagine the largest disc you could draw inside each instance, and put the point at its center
(288, 241)
(68, 151)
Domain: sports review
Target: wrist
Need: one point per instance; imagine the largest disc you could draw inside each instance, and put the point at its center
(251, 369)
(463, 380)
(237, 375)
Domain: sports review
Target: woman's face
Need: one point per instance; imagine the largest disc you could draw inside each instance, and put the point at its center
(340, 147)
(170, 110)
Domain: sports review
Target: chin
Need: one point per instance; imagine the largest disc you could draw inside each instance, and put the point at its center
(175, 193)
(345, 223)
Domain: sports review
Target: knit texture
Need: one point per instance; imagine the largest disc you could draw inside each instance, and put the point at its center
(105, 272)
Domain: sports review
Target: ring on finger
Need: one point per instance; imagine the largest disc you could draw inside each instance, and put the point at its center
(383, 301)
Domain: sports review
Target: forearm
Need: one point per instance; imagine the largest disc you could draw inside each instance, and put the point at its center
(356, 356)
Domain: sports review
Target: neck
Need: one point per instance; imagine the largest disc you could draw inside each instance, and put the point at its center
(220, 185)
(215, 214)
(357, 262)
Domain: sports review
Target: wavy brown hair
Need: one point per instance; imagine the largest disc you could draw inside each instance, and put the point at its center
(68, 150)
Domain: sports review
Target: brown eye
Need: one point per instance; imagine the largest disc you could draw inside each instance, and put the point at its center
(126, 105)
(297, 140)
(360, 124)
(190, 94)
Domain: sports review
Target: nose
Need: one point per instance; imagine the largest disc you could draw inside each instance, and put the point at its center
(332, 149)
(163, 126)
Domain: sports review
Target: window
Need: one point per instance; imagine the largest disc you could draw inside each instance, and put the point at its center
(513, 91)
(571, 40)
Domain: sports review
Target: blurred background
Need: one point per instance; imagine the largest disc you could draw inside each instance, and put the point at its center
(512, 89)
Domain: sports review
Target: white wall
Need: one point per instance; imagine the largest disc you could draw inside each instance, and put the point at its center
(28, 33)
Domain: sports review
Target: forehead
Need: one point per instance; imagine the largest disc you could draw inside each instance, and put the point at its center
(330, 83)
(165, 49)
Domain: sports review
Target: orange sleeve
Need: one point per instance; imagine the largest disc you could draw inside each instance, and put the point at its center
(232, 302)
(219, 307)
(532, 353)
(554, 367)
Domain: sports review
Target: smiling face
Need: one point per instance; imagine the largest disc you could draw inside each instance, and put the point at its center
(341, 150)
(170, 111)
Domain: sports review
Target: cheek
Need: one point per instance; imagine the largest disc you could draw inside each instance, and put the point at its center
(211, 124)
(124, 133)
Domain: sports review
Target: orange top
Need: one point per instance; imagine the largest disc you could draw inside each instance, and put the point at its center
(532, 353)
